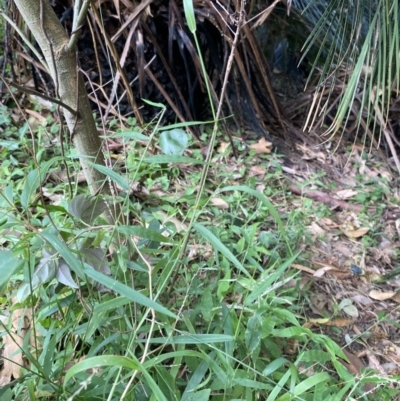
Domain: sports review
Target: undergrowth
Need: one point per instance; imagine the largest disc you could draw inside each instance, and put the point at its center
(179, 301)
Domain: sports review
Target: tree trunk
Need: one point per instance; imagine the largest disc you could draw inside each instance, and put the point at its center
(61, 58)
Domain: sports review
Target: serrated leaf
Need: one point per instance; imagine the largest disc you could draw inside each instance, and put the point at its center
(174, 142)
(64, 275)
(86, 207)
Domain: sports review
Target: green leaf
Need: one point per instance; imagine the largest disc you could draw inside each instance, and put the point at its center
(127, 292)
(117, 178)
(275, 365)
(206, 305)
(265, 283)
(144, 233)
(171, 159)
(64, 275)
(202, 395)
(253, 333)
(189, 15)
(86, 207)
(216, 243)
(191, 339)
(113, 360)
(9, 265)
(264, 200)
(32, 183)
(174, 142)
(305, 385)
(61, 247)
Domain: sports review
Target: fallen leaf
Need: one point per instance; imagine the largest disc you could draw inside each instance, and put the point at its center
(355, 233)
(219, 203)
(257, 170)
(346, 194)
(262, 146)
(36, 115)
(13, 342)
(223, 146)
(320, 272)
(381, 296)
(316, 229)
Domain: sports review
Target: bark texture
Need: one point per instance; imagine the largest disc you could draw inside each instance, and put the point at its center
(61, 59)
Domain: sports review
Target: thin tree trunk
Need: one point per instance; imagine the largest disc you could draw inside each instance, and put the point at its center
(61, 57)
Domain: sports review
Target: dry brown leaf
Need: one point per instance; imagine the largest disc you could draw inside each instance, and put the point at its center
(309, 154)
(219, 203)
(257, 170)
(316, 229)
(396, 297)
(381, 296)
(262, 146)
(12, 343)
(303, 268)
(223, 146)
(320, 272)
(345, 194)
(359, 232)
(36, 115)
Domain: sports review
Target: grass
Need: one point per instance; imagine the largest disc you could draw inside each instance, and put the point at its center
(211, 312)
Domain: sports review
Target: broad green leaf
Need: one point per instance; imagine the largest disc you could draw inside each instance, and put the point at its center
(279, 386)
(127, 292)
(128, 134)
(262, 286)
(9, 265)
(64, 275)
(252, 384)
(195, 380)
(216, 243)
(293, 331)
(252, 335)
(191, 339)
(315, 355)
(61, 247)
(98, 362)
(144, 233)
(32, 183)
(33, 180)
(113, 360)
(206, 304)
(202, 395)
(159, 159)
(114, 176)
(96, 258)
(305, 385)
(174, 142)
(263, 199)
(86, 207)
(275, 365)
